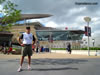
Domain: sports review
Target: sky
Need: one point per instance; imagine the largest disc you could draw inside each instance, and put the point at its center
(66, 13)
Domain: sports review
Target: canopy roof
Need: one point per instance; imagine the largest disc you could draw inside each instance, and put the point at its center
(4, 34)
(34, 16)
(31, 16)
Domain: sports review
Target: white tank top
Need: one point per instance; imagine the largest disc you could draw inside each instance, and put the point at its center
(27, 38)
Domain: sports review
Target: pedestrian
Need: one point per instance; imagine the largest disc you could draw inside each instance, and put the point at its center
(26, 40)
(69, 48)
(37, 47)
(10, 50)
(42, 48)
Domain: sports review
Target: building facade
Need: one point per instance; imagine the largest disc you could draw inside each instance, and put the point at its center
(49, 37)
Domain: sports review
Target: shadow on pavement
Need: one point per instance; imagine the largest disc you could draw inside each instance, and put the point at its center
(51, 69)
(52, 61)
(57, 61)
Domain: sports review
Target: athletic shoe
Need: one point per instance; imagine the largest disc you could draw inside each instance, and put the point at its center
(19, 69)
(29, 68)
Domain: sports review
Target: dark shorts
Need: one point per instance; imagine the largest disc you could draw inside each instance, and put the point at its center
(27, 50)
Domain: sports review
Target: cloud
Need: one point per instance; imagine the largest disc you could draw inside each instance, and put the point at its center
(76, 10)
(51, 24)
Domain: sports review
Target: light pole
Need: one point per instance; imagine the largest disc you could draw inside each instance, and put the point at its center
(50, 39)
(88, 19)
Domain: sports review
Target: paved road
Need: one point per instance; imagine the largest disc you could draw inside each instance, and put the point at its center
(52, 67)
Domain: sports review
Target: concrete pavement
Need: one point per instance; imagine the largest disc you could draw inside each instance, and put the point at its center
(49, 66)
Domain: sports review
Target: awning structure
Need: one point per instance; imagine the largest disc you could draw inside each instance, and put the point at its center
(34, 16)
(30, 16)
(4, 34)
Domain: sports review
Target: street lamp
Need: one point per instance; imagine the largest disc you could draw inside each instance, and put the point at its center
(88, 19)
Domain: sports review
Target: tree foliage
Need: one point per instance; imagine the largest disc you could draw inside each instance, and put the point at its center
(1, 1)
(11, 15)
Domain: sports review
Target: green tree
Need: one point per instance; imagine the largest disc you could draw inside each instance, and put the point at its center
(11, 15)
(1, 1)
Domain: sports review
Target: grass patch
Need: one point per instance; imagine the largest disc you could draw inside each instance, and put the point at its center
(91, 48)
